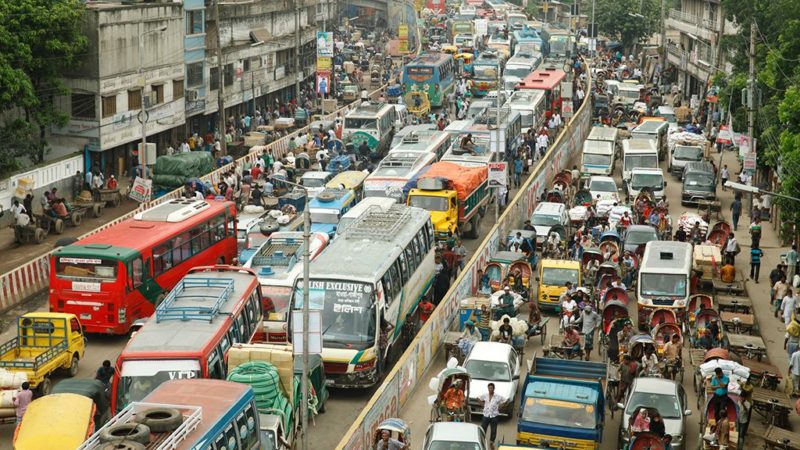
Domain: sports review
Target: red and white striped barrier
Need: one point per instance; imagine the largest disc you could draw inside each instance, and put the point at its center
(32, 278)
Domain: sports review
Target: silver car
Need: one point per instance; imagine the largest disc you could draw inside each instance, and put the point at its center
(454, 435)
(665, 396)
(497, 363)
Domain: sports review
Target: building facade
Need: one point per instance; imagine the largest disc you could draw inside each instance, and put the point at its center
(693, 33)
(157, 62)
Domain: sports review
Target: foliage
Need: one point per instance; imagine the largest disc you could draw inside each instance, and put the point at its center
(20, 140)
(614, 19)
(39, 40)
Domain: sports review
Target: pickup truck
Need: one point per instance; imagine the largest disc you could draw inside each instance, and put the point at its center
(562, 404)
(456, 197)
(45, 342)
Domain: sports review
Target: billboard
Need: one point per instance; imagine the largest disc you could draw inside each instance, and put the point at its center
(324, 44)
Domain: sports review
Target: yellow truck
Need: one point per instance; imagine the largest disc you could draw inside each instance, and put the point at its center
(554, 274)
(45, 342)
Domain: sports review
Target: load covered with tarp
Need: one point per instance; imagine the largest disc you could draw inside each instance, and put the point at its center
(686, 139)
(465, 180)
(172, 172)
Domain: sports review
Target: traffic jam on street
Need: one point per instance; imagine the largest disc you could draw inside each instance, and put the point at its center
(271, 285)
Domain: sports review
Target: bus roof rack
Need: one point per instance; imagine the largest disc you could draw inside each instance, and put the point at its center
(281, 253)
(379, 224)
(207, 301)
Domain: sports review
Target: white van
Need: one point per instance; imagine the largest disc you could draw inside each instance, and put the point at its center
(380, 203)
(647, 178)
(638, 153)
(663, 280)
(546, 216)
(314, 181)
(656, 130)
(599, 150)
(401, 117)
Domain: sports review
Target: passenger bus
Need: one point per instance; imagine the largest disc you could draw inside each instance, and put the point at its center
(208, 311)
(399, 166)
(549, 81)
(217, 415)
(374, 274)
(371, 122)
(486, 68)
(483, 153)
(278, 262)
(427, 141)
(328, 207)
(432, 73)
(510, 135)
(400, 134)
(663, 279)
(368, 204)
(116, 276)
(530, 105)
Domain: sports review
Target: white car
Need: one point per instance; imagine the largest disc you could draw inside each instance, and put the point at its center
(665, 396)
(314, 181)
(454, 435)
(492, 362)
(604, 187)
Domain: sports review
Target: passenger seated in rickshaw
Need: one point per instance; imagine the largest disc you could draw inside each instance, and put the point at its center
(705, 340)
(514, 280)
(553, 241)
(387, 442)
(534, 314)
(641, 423)
(469, 337)
(506, 332)
(625, 221)
(713, 330)
(467, 144)
(484, 282)
(649, 361)
(572, 341)
(655, 218)
(618, 284)
(591, 269)
(569, 308)
(454, 398)
(627, 373)
(623, 337)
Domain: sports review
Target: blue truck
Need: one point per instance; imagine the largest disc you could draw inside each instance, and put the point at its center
(562, 404)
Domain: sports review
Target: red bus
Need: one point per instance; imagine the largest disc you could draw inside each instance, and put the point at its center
(208, 311)
(118, 275)
(547, 80)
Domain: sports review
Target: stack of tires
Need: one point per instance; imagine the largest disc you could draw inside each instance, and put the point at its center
(137, 434)
(263, 377)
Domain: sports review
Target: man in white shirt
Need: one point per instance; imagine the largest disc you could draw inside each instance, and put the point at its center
(580, 94)
(491, 409)
(541, 143)
(787, 307)
(17, 209)
(794, 369)
(724, 175)
(730, 249)
(557, 118)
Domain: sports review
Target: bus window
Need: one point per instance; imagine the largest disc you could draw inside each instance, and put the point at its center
(218, 228)
(417, 250)
(241, 327)
(216, 366)
(388, 286)
(395, 270)
(199, 239)
(162, 258)
(404, 273)
(246, 426)
(137, 272)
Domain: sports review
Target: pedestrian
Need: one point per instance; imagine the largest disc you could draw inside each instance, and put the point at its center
(794, 369)
(724, 175)
(736, 210)
(731, 249)
(17, 209)
(77, 184)
(778, 292)
(755, 262)
(22, 399)
(517, 172)
(787, 306)
(105, 373)
(27, 203)
(791, 263)
(461, 252)
(755, 232)
(491, 411)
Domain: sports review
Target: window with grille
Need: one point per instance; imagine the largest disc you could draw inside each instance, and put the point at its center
(83, 106)
(177, 89)
(109, 106)
(134, 99)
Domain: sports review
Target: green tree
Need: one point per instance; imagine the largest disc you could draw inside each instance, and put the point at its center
(39, 40)
(623, 20)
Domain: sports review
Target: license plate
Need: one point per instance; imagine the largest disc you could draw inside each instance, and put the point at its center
(328, 382)
(86, 316)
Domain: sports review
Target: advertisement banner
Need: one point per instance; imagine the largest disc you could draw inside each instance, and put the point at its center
(408, 376)
(323, 83)
(402, 32)
(403, 47)
(324, 64)
(324, 44)
(141, 190)
(385, 407)
(497, 174)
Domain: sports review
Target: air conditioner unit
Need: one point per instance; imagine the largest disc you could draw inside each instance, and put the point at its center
(150, 99)
(191, 95)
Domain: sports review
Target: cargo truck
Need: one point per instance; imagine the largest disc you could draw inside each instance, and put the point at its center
(456, 197)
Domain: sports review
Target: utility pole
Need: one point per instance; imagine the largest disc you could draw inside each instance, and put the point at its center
(297, 52)
(751, 100)
(717, 64)
(497, 153)
(221, 77)
(593, 35)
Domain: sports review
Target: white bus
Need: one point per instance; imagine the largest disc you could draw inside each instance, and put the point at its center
(394, 171)
(663, 280)
(278, 263)
(482, 156)
(436, 142)
(361, 208)
(370, 122)
(375, 273)
(530, 105)
(409, 129)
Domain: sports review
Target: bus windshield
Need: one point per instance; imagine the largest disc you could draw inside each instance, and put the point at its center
(428, 202)
(348, 316)
(647, 180)
(596, 160)
(559, 413)
(555, 276)
(355, 123)
(89, 269)
(276, 298)
(663, 284)
(517, 71)
(139, 378)
(486, 72)
(558, 46)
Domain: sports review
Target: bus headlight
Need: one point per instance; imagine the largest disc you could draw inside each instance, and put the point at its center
(121, 315)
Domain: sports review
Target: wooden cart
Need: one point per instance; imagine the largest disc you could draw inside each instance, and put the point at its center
(747, 346)
(773, 406)
(734, 304)
(778, 438)
(737, 322)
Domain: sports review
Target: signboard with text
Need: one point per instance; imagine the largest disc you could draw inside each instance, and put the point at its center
(141, 190)
(324, 44)
(497, 174)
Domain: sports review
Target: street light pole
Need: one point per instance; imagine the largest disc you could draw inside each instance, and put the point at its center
(221, 88)
(306, 309)
(755, 190)
(143, 113)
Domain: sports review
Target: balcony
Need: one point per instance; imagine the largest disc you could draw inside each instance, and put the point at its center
(705, 29)
(696, 62)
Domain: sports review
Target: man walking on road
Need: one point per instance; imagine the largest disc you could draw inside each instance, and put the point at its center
(736, 210)
(731, 248)
(491, 405)
(724, 175)
(755, 262)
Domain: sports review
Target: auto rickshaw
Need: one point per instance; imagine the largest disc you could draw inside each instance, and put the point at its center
(494, 270)
(661, 315)
(583, 196)
(700, 329)
(440, 412)
(349, 92)
(708, 424)
(613, 311)
(397, 428)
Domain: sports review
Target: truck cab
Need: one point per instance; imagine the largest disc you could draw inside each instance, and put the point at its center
(562, 402)
(647, 178)
(554, 274)
(434, 196)
(682, 155)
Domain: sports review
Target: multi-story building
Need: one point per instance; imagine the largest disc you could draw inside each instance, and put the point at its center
(693, 33)
(160, 57)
